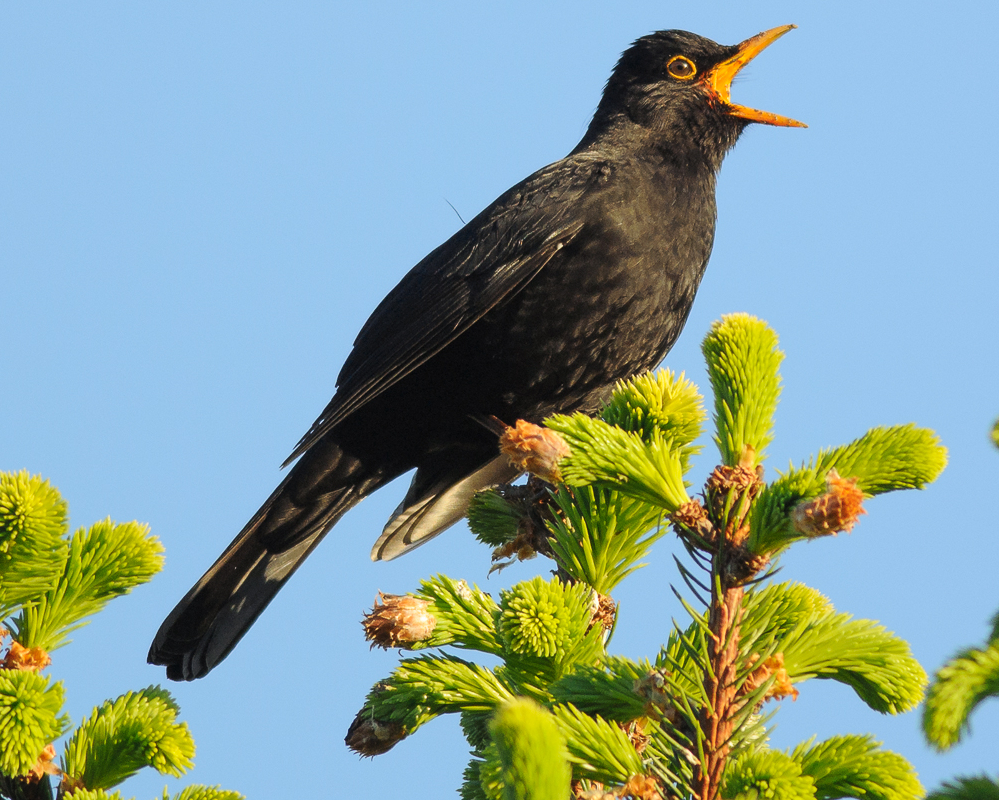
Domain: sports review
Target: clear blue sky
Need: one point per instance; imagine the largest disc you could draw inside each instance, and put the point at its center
(200, 204)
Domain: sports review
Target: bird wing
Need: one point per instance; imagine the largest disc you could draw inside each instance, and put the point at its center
(489, 260)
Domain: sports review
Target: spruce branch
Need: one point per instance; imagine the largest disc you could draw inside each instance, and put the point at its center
(659, 403)
(959, 687)
(817, 642)
(421, 689)
(598, 749)
(609, 457)
(547, 628)
(120, 737)
(466, 616)
(55, 583)
(761, 772)
(856, 766)
(472, 781)
(888, 459)
(513, 519)
(33, 521)
(619, 690)
(719, 718)
(994, 631)
(883, 460)
(544, 618)
(475, 726)
(495, 518)
(643, 443)
(684, 661)
(599, 536)
(743, 366)
(489, 775)
(195, 792)
(198, 792)
(30, 718)
(531, 752)
(668, 756)
(775, 610)
(104, 561)
(979, 787)
(860, 653)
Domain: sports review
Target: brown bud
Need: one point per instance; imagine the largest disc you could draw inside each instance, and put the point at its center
(745, 565)
(652, 688)
(742, 478)
(369, 737)
(533, 502)
(772, 666)
(641, 787)
(43, 766)
(596, 791)
(398, 621)
(692, 516)
(30, 659)
(520, 548)
(635, 731)
(604, 613)
(534, 449)
(836, 510)
(734, 489)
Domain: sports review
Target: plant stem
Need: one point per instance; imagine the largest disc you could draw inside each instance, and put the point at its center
(718, 716)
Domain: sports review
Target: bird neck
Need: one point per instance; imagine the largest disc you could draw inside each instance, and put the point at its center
(692, 143)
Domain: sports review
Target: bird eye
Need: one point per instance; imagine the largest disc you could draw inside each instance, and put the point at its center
(681, 67)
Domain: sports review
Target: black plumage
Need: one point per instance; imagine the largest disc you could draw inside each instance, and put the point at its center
(580, 275)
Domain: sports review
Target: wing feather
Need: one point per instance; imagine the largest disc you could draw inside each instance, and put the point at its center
(489, 260)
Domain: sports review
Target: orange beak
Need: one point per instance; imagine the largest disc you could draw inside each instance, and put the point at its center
(718, 79)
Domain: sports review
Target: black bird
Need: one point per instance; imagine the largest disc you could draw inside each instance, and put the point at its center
(578, 276)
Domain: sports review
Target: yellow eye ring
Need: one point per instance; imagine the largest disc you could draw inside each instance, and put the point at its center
(681, 68)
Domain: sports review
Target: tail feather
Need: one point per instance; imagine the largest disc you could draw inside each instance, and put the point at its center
(425, 513)
(216, 613)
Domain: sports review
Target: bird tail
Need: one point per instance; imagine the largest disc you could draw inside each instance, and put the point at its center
(215, 614)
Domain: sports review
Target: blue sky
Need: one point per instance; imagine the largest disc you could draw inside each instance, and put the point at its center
(200, 204)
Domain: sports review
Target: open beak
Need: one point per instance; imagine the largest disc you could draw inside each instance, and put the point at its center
(718, 79)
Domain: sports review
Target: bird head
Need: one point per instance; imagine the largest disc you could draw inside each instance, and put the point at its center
(676, 87)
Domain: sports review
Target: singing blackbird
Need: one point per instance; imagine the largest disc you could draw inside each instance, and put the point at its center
(578, 276)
